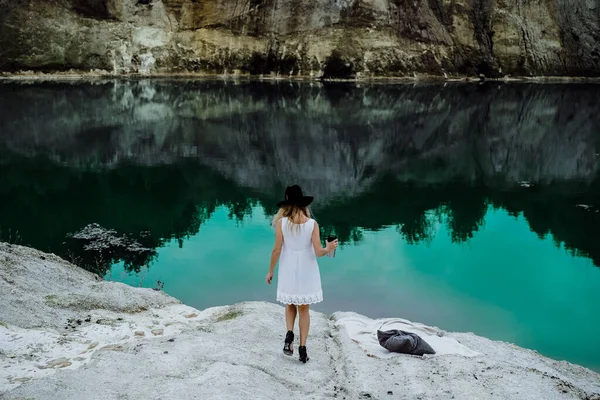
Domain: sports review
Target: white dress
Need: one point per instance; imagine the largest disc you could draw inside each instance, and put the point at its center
(298, 280)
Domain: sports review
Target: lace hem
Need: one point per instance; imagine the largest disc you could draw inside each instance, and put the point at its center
(299, 299)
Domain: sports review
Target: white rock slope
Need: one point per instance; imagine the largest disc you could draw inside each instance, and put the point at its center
(137, 343)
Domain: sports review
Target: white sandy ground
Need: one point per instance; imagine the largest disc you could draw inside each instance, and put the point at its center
(234, 352)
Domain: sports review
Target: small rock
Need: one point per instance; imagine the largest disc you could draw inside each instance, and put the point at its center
(390, 392)
(20, 380)
(119, 319)
(113, 347)
(139, 333)
(171, 340)
(98, 321)
(42, 257)
(78, 322)
(157, 332)
(58, 363)
(165, 352)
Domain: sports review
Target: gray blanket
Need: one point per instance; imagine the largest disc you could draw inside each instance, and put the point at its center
(404, 342)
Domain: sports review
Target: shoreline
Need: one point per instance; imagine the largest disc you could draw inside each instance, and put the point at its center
(416, 78)
(65, 331)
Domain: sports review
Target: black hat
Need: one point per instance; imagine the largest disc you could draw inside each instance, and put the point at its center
(294, 196)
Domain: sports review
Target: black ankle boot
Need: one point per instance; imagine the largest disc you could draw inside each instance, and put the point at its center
(303, 356)
(288, 350)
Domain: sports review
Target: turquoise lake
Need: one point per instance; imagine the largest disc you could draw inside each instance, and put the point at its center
(467, 207)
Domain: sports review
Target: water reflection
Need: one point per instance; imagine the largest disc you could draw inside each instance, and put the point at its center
(160, 156)
(45, 202)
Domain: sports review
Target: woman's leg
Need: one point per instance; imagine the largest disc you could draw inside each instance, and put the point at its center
(304, 323)
(290, 316)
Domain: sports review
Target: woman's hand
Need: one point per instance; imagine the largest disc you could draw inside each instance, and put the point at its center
(331, 246)
(269, 277)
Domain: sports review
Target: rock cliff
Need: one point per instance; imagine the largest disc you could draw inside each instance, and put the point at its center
(329, 38)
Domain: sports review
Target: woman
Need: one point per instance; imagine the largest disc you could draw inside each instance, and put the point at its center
(297, 246)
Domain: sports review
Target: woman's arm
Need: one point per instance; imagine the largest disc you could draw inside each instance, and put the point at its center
(276, 251)
(316, 239)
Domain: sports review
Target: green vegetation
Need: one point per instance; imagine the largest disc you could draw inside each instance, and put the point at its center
(232, 314)
(51, 300)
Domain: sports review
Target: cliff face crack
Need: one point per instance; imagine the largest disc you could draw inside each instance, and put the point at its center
(481, 19)
(284, 382)
(339, 366)
(444, 14)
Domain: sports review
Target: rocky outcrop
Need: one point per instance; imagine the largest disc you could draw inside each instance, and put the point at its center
(167, 349)
(341, 38)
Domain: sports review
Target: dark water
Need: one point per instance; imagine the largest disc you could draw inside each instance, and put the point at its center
(469, 207)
